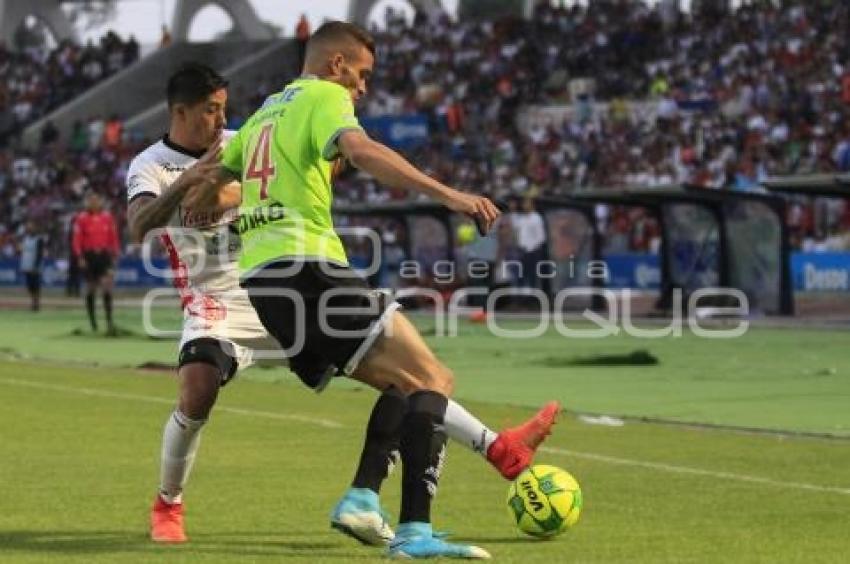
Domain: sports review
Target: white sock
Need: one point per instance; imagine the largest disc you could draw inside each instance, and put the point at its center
(465, 428)
(180, 441)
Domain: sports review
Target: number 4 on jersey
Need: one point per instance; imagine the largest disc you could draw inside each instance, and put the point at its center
(262, 156)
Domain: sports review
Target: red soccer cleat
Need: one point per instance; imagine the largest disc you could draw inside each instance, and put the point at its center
(514, 448)
(479, 316)
(167, 522)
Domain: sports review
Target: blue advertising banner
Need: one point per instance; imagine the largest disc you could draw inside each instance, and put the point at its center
(821, 272)
(637, 271)
(400, 132)
(130, 272)
(811, 272)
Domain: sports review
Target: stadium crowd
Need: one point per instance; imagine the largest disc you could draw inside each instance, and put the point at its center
(47, 185)
(768, 91)
(33, 80)
(674, 98)
(681, 99)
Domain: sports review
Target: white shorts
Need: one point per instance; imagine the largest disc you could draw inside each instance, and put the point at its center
(230, 318)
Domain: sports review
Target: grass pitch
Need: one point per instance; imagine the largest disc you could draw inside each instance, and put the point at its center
(80, 445)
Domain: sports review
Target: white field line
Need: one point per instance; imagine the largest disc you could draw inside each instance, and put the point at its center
(672, 468)
(327, 423)
(658, 466)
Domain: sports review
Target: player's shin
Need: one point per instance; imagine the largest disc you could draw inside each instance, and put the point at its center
(381, 447)
(466, 429)
(180, 441)
(423, 450)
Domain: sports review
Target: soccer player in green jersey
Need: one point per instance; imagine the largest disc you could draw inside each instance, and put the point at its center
(296, 270)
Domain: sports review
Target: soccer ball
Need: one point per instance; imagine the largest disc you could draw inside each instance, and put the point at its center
(544, 501)
(466, 233)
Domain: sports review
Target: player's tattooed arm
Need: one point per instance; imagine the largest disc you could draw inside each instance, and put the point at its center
(390, 168)
(220, 191)
(146, 213)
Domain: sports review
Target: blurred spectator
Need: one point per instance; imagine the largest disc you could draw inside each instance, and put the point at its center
(112, 131)
(131, 50)
(165, 37)
(530, 233)
(49, 134)
(79, 141)
(95, 132)
(302, 35)
(32, 257)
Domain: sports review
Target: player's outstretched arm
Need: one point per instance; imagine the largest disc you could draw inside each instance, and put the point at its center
(392, 169)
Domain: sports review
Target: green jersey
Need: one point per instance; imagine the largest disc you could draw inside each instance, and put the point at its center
(283, 155)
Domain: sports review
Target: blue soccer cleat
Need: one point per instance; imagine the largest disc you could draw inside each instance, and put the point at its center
(417, 540)
(359, 515)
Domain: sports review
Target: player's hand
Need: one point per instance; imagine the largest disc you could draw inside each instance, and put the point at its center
(479, 208)
(81, 262)
(201, 180)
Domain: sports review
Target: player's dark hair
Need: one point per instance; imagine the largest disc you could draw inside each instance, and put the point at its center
(336, 31)
(192, 83)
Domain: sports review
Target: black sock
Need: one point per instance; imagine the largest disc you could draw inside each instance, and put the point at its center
(423, 449)
(383, 435)
(107, 305)
(90, 308)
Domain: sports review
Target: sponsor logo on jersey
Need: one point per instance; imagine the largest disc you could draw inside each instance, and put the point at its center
(168, 167)
(206, 218)
(260, 216)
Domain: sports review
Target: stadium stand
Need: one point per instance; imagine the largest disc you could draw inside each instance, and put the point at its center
(35, 81)
(766, 93)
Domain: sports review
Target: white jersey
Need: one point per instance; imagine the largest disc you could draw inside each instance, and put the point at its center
(201, 247)
(203, 250)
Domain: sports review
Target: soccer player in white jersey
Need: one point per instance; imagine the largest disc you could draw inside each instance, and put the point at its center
(220, 327)
(221, 331)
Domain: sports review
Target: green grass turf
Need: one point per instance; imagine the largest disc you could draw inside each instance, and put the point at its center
(780, 379)
(79, 456)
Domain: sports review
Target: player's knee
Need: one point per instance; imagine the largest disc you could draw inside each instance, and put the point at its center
(198, 389)
(204, 368)
(437, 377)
(447, 381)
